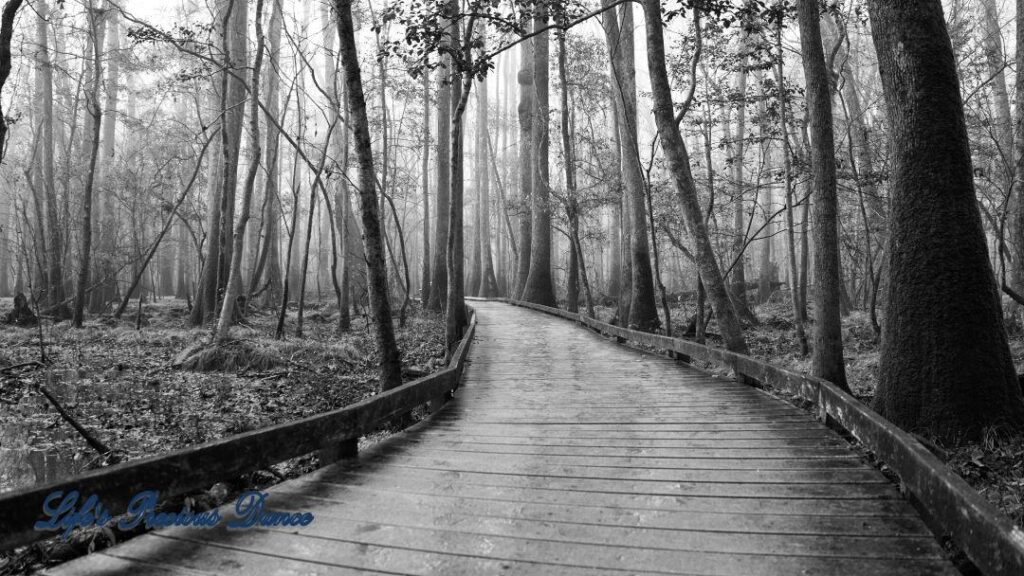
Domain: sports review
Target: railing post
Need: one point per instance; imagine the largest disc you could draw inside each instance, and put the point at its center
(436, 404)
(680, 357)
(344, 450)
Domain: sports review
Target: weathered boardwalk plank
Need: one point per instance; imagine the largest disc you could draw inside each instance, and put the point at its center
(564, 453)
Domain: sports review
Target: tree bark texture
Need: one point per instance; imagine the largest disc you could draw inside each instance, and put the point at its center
(827, 339)
(643, 311)
(373, 245)
(945, 367)
(679, 165)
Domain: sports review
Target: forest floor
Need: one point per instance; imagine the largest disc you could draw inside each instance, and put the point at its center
(994, 466)
(122, 385)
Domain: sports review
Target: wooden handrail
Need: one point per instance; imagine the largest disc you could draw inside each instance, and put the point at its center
(950, 506)
(195, 468)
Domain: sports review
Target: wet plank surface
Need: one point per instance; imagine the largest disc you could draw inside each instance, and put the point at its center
(564, 453)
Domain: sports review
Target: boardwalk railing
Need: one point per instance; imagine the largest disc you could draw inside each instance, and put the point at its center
(948, 504)
(196, 468)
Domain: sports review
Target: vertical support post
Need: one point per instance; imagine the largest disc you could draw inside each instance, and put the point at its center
(344, 450)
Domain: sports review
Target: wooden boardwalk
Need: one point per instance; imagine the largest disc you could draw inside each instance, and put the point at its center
(565, 453)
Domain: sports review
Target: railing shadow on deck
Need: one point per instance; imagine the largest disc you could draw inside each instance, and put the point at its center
(186, 471)
(949, 505)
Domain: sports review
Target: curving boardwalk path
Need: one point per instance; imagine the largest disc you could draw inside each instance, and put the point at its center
(566, 454)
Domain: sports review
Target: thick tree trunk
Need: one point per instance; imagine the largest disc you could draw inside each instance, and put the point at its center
(526, 108)
(10, 11)
(487, 286)
(679, 164)
(945, 367)
(827, 357)
(643, 311)
(539, 287)
(455, 308)
(377, 280)
(442, 207)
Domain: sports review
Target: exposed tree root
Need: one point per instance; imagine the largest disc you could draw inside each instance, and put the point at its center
(231, 356)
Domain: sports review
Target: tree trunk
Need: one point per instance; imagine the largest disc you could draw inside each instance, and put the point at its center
(787, 154)
(439, 266)
(183, 258)
(425, 173)
(231, 21)
(105, 288)
(643, 311)
(95, 18)
(10, 11)
(526, 110)
(827, 358)
(679, 164)
(234, 284)
(738, 285)
(455, 308)
(539, 287)
(271, 272)
(54, 295)
(625, 277)
(377, 280)
(572, 288)
(945, 365)
(488, 284)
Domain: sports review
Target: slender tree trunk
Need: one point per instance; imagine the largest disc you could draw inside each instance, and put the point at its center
(787, 153)
(143, 265)
(572, 292)
(827, 358)
(995, 59)
(952, 384)
(625, 280)
(182, 257)
(488, 284)
(44, 100)
(234, 284)
(105, 288)
(271, 272)
(738, 286)
(425, 174)
(1018, 132)
(205, 306)
(679, 164)
(377, 280)
(95, 18)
